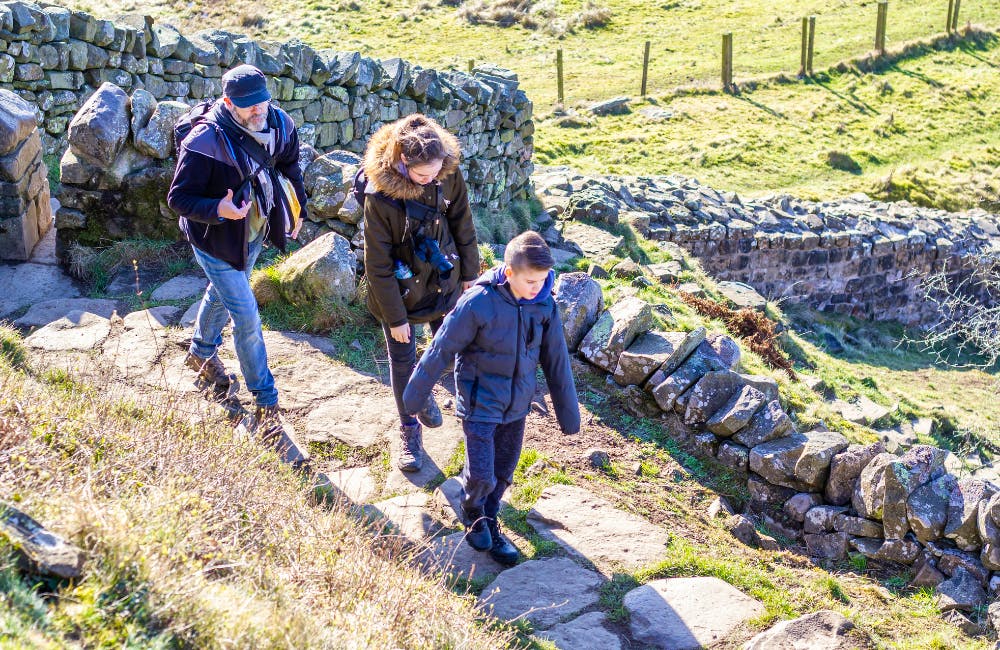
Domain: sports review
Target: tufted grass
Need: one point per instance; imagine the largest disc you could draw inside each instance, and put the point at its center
(194, 539)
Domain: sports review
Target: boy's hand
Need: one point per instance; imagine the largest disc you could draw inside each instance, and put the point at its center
(401, 333)
(468, 285)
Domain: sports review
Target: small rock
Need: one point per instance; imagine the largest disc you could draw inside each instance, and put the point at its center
(822, 630)
(598, 458)
(800, 504)
(720, 506)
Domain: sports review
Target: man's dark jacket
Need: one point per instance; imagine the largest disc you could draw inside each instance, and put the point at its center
(498, 342)
(209, 163)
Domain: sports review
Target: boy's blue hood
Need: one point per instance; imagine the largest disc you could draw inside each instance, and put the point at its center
(497, 276)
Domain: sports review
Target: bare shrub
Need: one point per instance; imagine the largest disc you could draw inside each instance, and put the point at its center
(593, 16)
(966, 330)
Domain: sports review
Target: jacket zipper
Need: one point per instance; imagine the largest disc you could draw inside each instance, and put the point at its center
(517, 363)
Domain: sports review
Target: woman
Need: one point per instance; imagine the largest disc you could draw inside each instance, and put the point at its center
(420, 249)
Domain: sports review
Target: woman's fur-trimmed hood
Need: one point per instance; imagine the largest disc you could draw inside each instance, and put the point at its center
(383, 175)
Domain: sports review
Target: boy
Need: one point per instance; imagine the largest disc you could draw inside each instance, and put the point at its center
(498, 333)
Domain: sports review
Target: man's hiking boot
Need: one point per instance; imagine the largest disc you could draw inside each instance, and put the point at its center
(430, 416)
(266, 423)
(210, 371)
(411, 455)
(501, 548)
(477, 531)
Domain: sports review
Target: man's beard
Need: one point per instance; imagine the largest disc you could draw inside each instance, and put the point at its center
(256, 123)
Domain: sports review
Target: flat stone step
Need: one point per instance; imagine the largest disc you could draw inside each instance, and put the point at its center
(585, 632)
(28, 283)
(687, 613)
(77, 330)
(47, 311)
(591, 528)
(183, 287)
(545, 592)
(355, 484)
(452, 555)
(406, 515)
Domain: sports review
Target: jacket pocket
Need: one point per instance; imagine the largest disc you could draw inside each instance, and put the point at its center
(411, 290)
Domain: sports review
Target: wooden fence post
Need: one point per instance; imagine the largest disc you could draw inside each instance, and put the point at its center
(472, 64)
(559, 75)
(951, 11)
(645, 69)
(812, 44)
(805, 46)
(727, 62)
(883, 12)
(954, 16)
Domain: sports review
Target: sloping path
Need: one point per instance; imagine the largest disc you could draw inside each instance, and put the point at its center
(326, 401)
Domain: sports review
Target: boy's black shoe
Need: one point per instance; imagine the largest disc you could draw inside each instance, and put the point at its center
(501, 549)
(477, 531)
(430, 416)
(411, 455)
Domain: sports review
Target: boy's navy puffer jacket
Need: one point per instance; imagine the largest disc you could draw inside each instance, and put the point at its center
(498, 342)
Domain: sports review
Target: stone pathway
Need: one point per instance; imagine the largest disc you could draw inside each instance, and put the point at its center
(328, 402)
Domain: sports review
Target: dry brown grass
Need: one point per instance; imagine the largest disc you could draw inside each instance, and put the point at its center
(207, 540)
(757, 330)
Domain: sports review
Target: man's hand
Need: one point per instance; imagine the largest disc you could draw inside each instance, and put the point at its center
(295, 233)
(228, 210)
(401, 333)
(468, 285)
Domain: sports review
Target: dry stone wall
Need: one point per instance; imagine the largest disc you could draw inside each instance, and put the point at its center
(25, 213)
(852, 256)
(56, 59)
(815, 488)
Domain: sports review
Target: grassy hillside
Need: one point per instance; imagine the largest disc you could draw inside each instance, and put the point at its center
(923, 128)
(189, 547)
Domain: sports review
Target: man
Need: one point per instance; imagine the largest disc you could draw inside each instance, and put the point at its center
(227, 190)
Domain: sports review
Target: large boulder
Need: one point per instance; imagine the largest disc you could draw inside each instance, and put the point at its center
(989, 532)
(100, 128)
(799, 461)
(328, 180)
(667, 392)
(691, 342)
(916, 467)
(596, 203)
(156, 137)
(645, 355)
(963, 512)
(869, 493)
(962, 591)
(737, 412)
(712, 392)
(769, 423)
(324, 269)
(614, 331)
(927, 508)
(580, 300)
(845, 468)
(17, 120)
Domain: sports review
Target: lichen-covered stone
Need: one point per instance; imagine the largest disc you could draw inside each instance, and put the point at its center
(644, 356)
(579, 299)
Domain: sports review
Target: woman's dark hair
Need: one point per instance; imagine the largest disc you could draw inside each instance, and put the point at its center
(528, 251)
(420, 139)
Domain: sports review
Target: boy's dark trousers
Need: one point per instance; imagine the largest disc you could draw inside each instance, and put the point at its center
(491, 454)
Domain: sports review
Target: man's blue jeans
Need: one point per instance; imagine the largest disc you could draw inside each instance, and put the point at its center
(229, 294)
